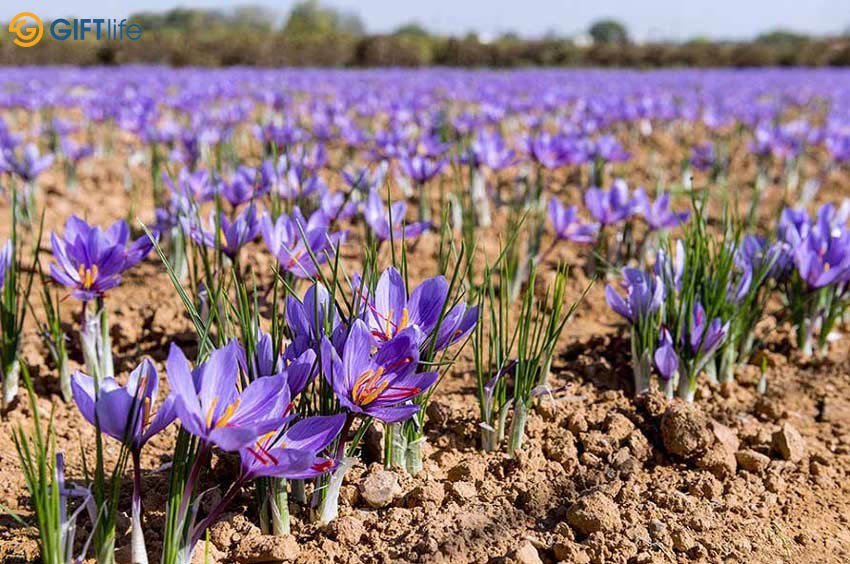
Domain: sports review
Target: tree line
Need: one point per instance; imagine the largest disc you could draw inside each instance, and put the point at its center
(316, 35)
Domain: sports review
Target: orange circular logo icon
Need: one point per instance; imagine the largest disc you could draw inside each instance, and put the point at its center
(27, 29)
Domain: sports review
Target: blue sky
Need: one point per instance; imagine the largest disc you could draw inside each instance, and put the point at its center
(646, 19)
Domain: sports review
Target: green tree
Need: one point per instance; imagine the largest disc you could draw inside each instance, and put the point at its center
(608, 31)
(309, 18)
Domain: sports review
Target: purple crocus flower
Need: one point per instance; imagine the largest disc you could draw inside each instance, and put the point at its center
(706, 338)
(211, 407)
(75, 152)
(489, 149)
(456, 325)
(754, 253)
(608, 149)
(231, 235)
(292, 239)
(666, 358)
(297, 370)
(378, 218)
(380, 386)
(567, 224)
(7, 253)
(420, 169)
(363, 180)
(90, 261)
(293, 453)
(658, 214)
(126, 413)
(644, 295)
(308, 319)
(671, 269)
(612, 206)
(823, 257)
(555, 151)
(703, 156)
(390, 311)
(28, 166)
(243, 186)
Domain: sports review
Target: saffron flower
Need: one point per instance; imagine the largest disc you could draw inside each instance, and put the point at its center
(379, 385)
(456, 325)
(420, 169)
(378, 218)
(644, 295)
(703, 156)
(489, 149)
(292, 240)
(567, 224)
(244, 186)
(658, 214)
(823, 256)
(612, 206)
(390, 311)
(705, 338)
(90, 261)
(666, 359)
(297, 370)
(228, 235)
(211, 407)
(294, 452)
(28, 165)
(7, 253)
(308, 319)
(73, 151)
(127, 413)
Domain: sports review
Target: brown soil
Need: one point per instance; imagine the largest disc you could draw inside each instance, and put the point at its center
(596, 481)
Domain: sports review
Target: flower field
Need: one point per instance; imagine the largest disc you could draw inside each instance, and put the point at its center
(424, 316)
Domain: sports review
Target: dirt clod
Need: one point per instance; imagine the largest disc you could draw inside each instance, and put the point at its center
(752, 461)
(788, 442)
(267, 548)
(380, 488)
(594, 512)
(527, 554)
(684, 430)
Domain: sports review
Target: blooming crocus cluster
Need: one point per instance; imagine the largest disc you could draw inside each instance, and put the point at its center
(129, 414)
(641, 308)
(816, 290)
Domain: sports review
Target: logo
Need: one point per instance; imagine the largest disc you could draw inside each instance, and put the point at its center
(27, 33)
(28, 29)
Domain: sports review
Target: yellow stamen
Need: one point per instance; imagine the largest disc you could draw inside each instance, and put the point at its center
(367, 388)
(222, 237)
(294, 259)
(826, 267)
(146, 413)
(88, 276)
(405, 317)
(388, 330)
(210, 412)
(265, 439)
(373, 393)
(228, 414)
